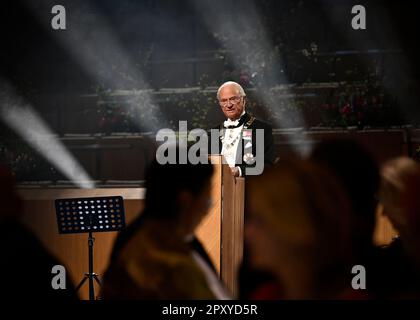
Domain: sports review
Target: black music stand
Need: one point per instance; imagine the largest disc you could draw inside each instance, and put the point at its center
(87, 215)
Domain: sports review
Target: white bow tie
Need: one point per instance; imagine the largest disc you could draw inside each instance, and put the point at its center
(229, 123)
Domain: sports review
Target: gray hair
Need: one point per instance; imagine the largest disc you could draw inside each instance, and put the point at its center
(232, 83)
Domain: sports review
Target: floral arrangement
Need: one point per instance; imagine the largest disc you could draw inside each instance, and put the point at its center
(361, 106)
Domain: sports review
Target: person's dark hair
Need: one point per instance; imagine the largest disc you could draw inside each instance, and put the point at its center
(359, 174)
(164, 182)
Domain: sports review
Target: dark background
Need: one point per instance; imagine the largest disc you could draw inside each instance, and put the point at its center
(137, 66)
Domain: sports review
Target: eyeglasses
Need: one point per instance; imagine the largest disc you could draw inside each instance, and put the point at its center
(232, 100)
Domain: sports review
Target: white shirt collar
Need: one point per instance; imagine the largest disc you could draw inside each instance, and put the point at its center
(229, 122)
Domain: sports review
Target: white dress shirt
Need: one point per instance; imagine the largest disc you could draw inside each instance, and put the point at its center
(231, 141)
(230, 150)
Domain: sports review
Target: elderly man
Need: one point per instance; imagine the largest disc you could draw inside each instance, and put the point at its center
(237, 135)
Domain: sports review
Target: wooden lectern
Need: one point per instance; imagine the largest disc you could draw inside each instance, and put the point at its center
(222, 231)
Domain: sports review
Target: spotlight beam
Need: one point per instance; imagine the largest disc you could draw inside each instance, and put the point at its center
(26, 122)
(95, 46)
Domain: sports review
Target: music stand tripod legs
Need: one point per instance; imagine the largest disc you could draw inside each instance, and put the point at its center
(91, 276)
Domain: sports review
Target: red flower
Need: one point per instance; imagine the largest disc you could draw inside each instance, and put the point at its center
(346, 110)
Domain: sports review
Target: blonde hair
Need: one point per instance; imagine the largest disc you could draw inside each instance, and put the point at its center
(400, 180)
(312, 198)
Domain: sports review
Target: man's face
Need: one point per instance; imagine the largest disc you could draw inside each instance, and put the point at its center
(231, 102)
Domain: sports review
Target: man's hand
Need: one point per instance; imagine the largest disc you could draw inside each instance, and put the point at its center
(235, 171)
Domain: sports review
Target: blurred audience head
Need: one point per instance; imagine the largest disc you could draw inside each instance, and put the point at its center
(178, 192)
(297, 228)
(359, 174)
(10, 201)
(399, 195)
